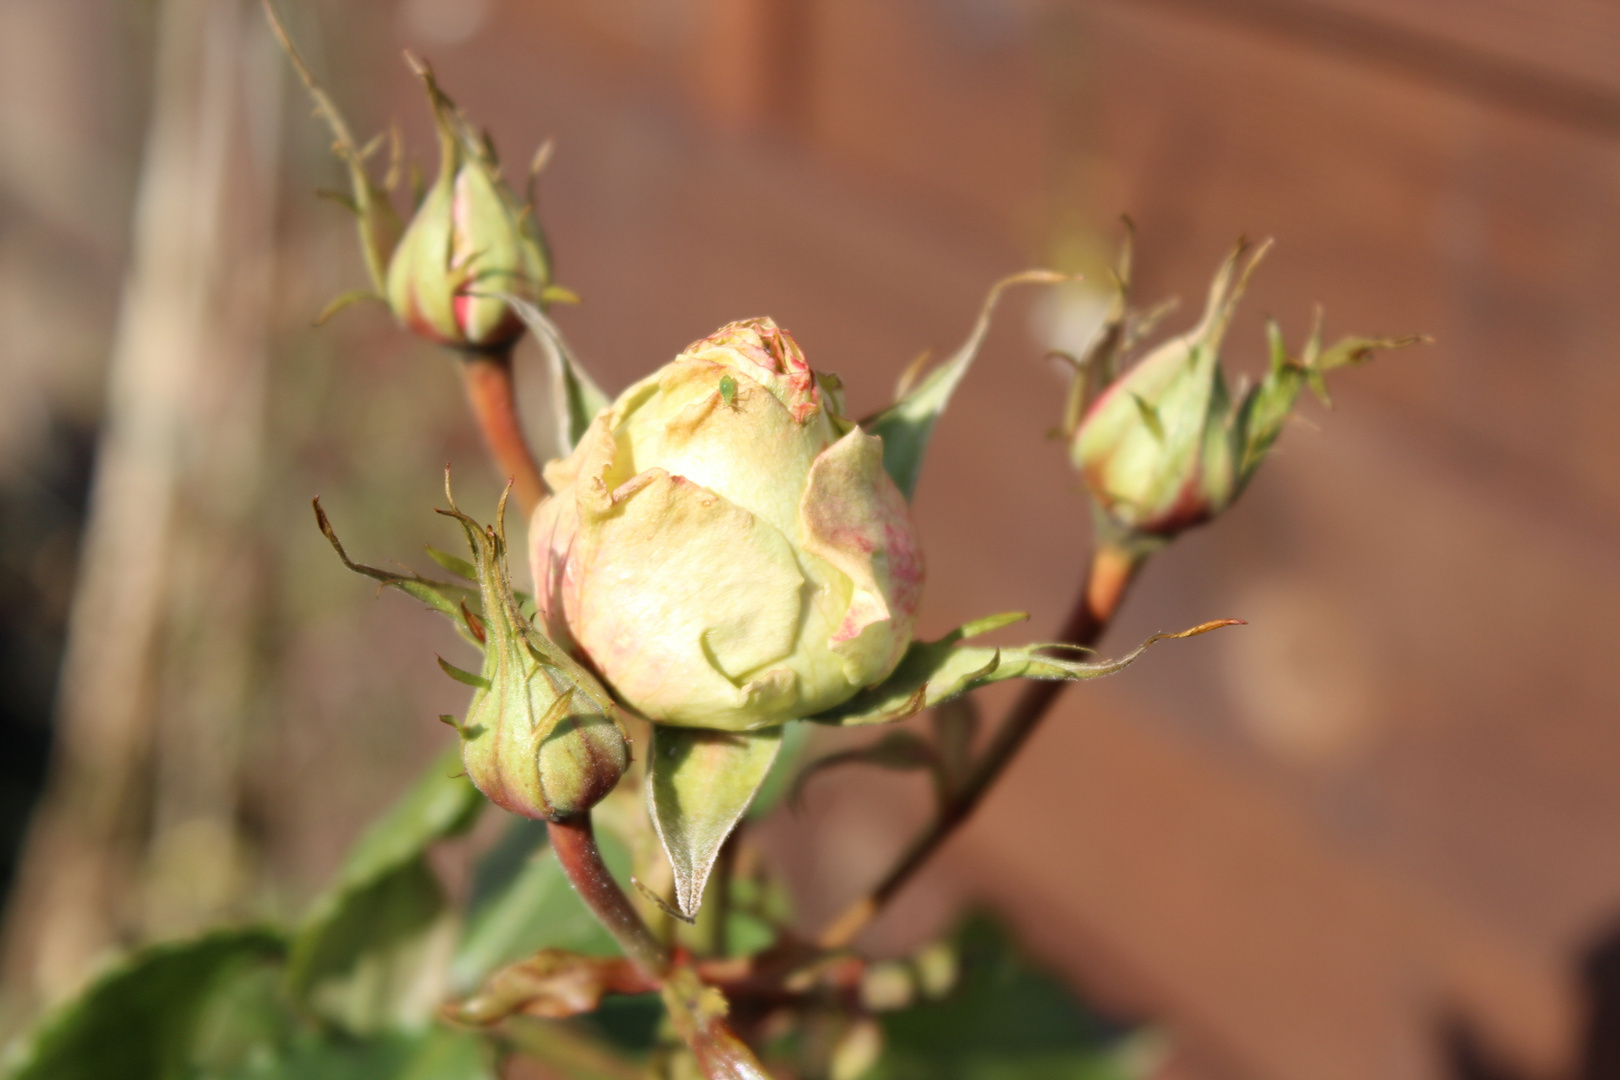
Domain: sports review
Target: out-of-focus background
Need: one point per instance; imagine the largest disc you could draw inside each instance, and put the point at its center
(1376, 833)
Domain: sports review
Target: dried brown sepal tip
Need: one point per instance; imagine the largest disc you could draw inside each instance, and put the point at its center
(553, 984)
(541, 737)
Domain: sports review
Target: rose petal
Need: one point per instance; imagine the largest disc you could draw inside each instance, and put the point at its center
(856, 519)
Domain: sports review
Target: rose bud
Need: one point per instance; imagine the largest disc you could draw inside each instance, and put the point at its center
(541, 737)
(1166, 446)
(724, 546)
(470, 240)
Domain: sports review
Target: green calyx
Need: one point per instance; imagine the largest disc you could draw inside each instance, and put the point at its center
(541, 737)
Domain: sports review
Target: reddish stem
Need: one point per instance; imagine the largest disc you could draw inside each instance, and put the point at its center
(493, 399)
(573, 841)
(1109, 576)
(699, 1019)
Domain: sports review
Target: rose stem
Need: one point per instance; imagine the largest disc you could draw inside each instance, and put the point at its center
(488, 376)
(574, 842)
(1107, 579)
(720, 1053)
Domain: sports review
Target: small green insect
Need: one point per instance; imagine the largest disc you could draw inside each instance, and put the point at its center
(728, 389)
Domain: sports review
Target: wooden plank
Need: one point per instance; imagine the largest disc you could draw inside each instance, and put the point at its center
(1552, 61)
(1440, 832)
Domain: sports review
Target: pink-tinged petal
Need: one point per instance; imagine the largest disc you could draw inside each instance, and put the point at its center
(855, 519)
(554, 531)
(766, 353)
(688, 601)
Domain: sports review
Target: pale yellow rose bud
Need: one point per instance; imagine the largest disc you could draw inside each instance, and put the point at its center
(470, 243)
(724, 546)
(1167, 445)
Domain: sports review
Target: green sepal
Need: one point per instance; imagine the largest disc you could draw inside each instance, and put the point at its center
(453, 563)
(935, 672)
(1123, 328)
(779, 781)
(1264, 409)
(541, 736)
(442, 596)
(699, 783)
(574, 393)
(558, 294)
(344, 300)
(906, 426)
(380, 224)
(466, 678)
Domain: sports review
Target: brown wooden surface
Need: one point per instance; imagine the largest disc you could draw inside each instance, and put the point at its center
(1390, 800)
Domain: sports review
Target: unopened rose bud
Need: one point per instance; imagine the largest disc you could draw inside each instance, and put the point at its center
(470, 240)
(724, 545)
(1167, 446)
(540, 737)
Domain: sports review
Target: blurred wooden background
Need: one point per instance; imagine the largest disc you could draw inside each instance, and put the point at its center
(1384, 811)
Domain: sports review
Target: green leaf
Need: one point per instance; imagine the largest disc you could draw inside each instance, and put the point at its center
(906, 426)
(434, 1054)
(363, 946)
(449, 1055)
(531, 906)
(370, 967)
(574, 394)
(699, 784)
(569, 1051)
(441, 803)
(139, 1020)
(934, 672)
(1006, 1018)
(795, 733)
